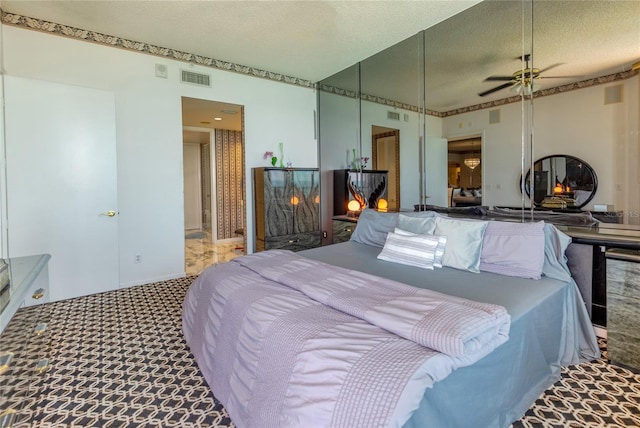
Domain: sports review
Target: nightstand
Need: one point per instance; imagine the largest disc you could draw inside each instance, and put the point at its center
(623, 307)
(23, 341)
(343, 227)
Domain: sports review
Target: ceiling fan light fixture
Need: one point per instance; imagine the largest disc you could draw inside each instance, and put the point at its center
(528, 89)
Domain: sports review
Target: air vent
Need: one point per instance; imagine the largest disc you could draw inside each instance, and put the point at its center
(613, 94)
(392, 115)
(195, 78)
(494, 116)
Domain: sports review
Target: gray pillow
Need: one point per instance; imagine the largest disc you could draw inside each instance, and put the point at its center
(373, 226)
(421, 225)
(513, 249)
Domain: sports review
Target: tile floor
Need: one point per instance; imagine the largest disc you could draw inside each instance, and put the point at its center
(201, 252)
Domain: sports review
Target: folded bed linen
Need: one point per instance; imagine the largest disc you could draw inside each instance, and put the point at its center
(288, 341)
(550, 329)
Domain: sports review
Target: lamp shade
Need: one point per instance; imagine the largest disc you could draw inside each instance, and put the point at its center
(353, 205)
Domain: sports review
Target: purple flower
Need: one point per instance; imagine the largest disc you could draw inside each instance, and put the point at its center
(267, 155)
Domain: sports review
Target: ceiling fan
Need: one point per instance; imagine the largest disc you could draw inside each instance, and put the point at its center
(521, 80)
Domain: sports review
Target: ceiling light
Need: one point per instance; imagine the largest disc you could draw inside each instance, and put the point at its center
(472, 163)
(217, 118)
(528, 88)
(205, 122)
(229, 111)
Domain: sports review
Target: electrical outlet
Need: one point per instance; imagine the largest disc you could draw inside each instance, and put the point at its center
(324, 234)
(137, 258)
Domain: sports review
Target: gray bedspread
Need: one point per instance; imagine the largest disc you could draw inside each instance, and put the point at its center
(550, 328)
(285, 340)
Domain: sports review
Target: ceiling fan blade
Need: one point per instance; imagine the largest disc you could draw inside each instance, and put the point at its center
(498, 78)
(496, 89)
(559, 77)
(550, 67)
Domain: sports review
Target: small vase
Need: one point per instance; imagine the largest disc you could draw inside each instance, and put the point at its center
(355, 163)
(281, 146)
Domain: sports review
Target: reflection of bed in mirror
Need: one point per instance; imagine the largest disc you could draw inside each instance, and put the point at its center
(459, 197)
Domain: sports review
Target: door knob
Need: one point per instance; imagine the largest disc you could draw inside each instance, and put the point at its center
(109, 213)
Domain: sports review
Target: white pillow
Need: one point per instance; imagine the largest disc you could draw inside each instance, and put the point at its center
(442, 243)
(464, 242)
(412, 250)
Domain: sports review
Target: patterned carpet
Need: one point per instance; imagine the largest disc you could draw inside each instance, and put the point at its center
(118, 359)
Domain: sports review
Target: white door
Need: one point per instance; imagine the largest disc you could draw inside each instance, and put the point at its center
(61, 182)
(436, 171)
(192, 186)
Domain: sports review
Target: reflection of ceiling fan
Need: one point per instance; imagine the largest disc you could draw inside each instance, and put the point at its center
(521, 80)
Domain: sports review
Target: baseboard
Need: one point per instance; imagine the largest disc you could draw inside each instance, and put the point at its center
(151, 280)
(228, 241)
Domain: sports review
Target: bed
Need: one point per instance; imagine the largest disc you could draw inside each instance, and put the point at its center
(549, 328)
(464, 197)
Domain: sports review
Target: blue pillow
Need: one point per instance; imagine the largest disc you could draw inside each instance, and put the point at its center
(464, 242)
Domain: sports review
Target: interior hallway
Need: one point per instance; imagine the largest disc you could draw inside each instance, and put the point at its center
(201, 252)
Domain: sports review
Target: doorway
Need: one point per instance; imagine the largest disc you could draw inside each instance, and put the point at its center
(464, 171)
(214, 192)
(385, 156)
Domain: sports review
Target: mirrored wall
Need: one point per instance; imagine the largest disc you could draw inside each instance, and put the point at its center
(528, 79)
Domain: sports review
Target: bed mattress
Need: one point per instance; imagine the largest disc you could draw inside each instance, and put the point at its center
(550, 328)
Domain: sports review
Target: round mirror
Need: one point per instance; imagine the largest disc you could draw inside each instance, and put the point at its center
(561, 180)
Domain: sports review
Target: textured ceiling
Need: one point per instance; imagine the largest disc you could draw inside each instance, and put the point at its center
(305, 39)
(580, 39)
(465, 41)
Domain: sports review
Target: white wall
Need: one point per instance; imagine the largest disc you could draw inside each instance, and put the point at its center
(605, 136)
(338, 121)
(338, 133)
(376, 114)
(501, 151)
(3, 205)
(576, 123)
(192, 186)
(149, 134)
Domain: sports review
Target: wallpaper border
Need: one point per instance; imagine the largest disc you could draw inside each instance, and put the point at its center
(140, 47)
(610, 78)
